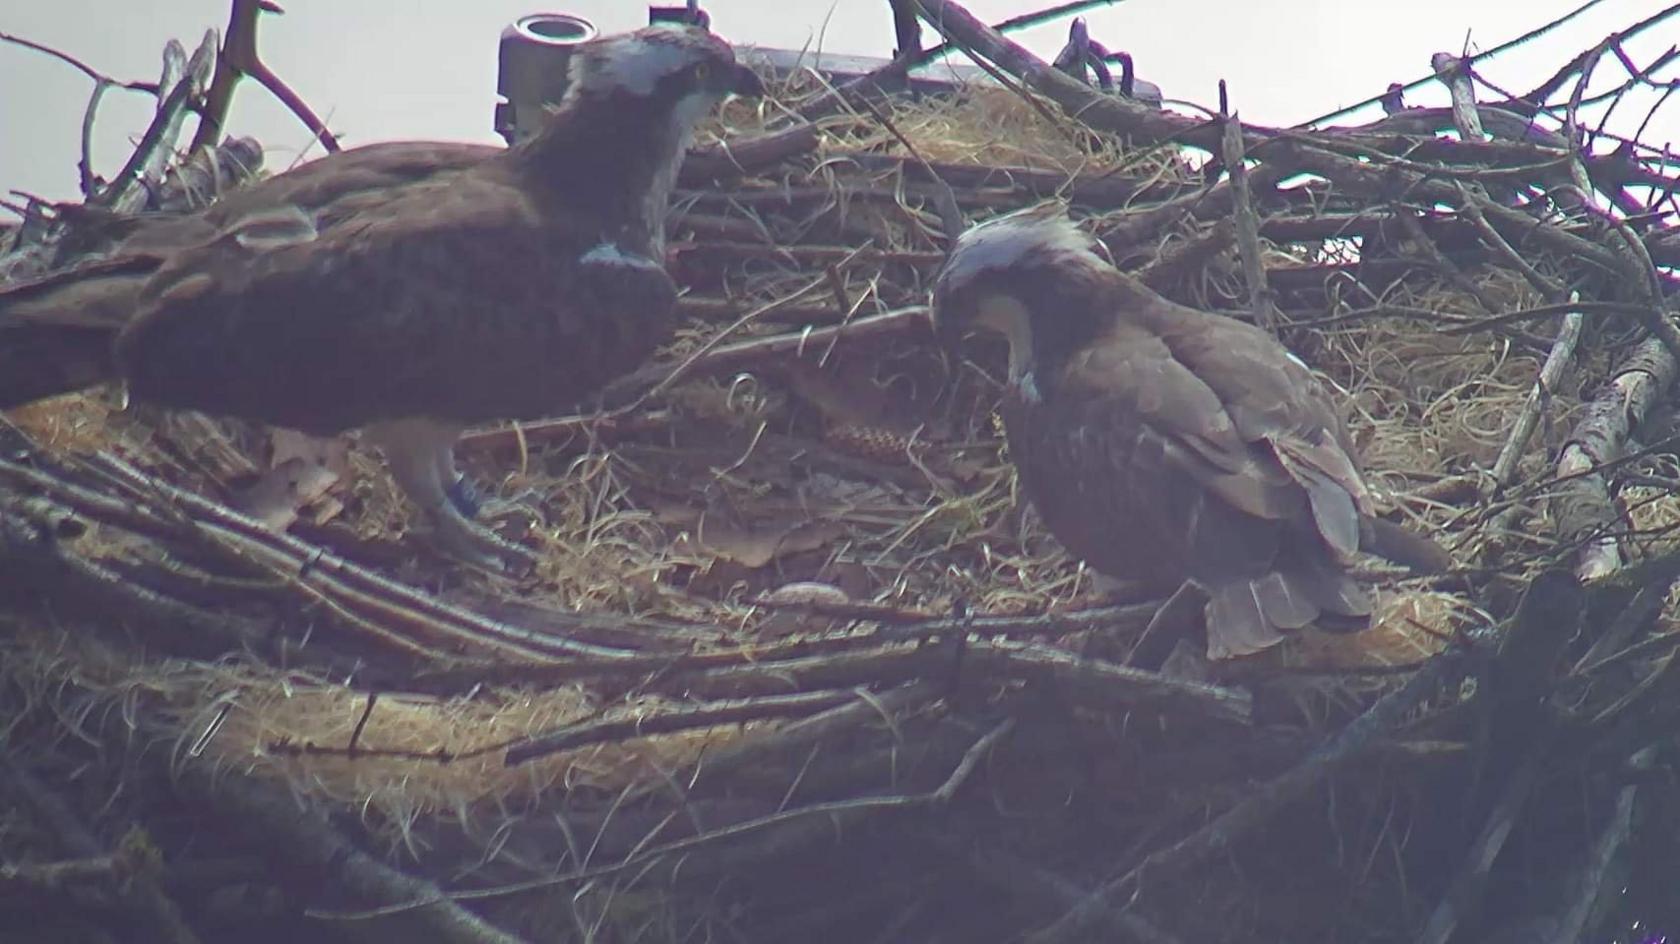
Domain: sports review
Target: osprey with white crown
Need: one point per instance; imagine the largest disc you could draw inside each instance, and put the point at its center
(406, 289)
(1170, 446)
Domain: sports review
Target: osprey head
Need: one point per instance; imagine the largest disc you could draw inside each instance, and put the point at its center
(683, 67)
(997, 268)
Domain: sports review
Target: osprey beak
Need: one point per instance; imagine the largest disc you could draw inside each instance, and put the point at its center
(747, 83)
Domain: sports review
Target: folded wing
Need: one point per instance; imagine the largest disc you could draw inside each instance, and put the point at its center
(1209, 460)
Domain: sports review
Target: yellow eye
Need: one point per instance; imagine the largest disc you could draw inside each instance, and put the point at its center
(702, 72)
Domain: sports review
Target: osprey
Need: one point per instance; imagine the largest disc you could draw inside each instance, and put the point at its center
(1167, 445)
(406, 289)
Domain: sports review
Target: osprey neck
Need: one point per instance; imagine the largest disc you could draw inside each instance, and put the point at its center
(614, 158)
(1068, 311)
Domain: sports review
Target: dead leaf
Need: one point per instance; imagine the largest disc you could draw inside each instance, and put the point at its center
(277, 496)
(751, 545)
(302, 471)
(332, 454)
(756, 548)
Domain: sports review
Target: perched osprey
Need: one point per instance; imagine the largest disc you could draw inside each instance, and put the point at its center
(406, 289)
(1164, 444)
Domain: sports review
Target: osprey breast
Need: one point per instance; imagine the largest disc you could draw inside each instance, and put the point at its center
(630, 290)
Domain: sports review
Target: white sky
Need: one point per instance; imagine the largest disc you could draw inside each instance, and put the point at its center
(426, 69)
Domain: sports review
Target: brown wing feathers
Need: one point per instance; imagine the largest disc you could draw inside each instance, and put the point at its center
(57, 332)
(1291, 477)
(1172, 444)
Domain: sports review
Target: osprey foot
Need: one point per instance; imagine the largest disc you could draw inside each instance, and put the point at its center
(464, 497)
(525, 507)
(473, 544)
(474, 505)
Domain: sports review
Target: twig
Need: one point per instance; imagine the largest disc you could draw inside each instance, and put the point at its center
(1596, 879)
(1581, 503)
(1024, 21)
(324, 577)
(813, 254)
(688, 718)
(1551, 376)
(159, 139)
(710, 775)
(840, 810)
(706, 164)
(870, 658)
(1466, 889)
(1535, 33)
(240, 58)
(132, 869)
(898, 70)
(1454, 73)
(1540, 311)
(98, 77)
(1247, 223)
(1017, 877)
(1112, 113)
(84, 166)
(302, 839)
(1107, 685)
(1549, 287)
(1118, 115)
(945, 199)
(1654, 576)
(850, 610)
(32, 550)
(43, 878)
(1237, 822)
(1532, 101)
(907, 29)
(385, 597)
(640, 385)
(1351, 175)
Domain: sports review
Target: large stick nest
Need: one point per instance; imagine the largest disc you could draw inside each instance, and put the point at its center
(797, 663)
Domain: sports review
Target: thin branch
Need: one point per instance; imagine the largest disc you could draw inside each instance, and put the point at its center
(1551, 376)
(1224, 831)
(688, 718)
(1535, 33)
(1247, 225)
(1597, 877)
(159, 139)
(723, 357)
(84, 166)
(240, 58)
(98, 77)
(839, 809)
(1465, 893)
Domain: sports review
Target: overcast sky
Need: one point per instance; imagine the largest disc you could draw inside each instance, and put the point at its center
(396, 69)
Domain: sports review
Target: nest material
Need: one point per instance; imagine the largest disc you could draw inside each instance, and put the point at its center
(871, 469)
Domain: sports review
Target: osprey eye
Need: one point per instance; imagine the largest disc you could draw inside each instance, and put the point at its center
(702, 72)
